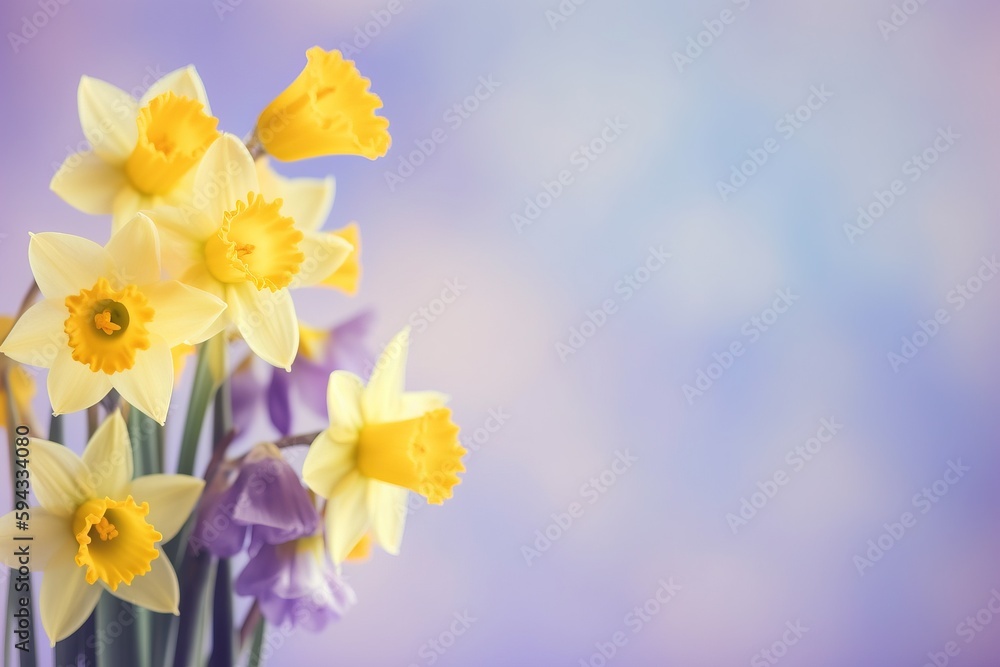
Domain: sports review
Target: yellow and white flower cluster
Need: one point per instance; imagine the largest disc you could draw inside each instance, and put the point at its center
(206, 239)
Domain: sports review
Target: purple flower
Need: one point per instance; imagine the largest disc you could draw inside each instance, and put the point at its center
(295, 582)
(320, 353)
(266, 495)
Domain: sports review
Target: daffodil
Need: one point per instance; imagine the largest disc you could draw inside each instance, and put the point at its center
(108, 320)
(97, 529)
(19, 381)
(327, 110)
(382, 443)
(308, 201)
(241, 246)
(142, 151)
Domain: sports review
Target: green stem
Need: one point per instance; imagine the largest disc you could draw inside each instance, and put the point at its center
(222, 618)
(142, 434)
(258, 644)
(194, 566)
(208, 375)
(75, 649)
(80, 647)
(222, 613)
(182, 645)
(201, 395)
(122, 649)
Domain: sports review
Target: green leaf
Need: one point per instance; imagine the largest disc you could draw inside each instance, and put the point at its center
(206, 381)
(113, 618)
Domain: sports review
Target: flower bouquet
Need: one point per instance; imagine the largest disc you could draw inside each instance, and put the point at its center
(143, 558)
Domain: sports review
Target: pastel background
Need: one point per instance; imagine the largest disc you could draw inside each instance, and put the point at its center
(566, 417)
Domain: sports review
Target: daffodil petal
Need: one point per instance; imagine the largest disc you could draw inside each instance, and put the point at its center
(127, 203)
(382, 397)
(108, 457)
(49, 534)
(63, 264)
(184, 81)
(183, 313)
(107, 116)
(387, 506)
(59, 478)
(327, 463)
(343, 400)
(225, 175)
(267, 322)
(156, 590)
(347, 517)
(171, 499)
(348, 275)
(88, 183)
(73, 386)
(307, 201)
(66, 599)
(37, 333)
(183, 232)
(324, 252)
(416, 403)
(149, 384)
(135, 249)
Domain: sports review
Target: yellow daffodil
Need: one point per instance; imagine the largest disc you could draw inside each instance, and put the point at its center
(381, 444)
(327, 110)
(142, 151)
(308, 201)
(241, 246)
(98, 529)
(22, 385)
(107, 320)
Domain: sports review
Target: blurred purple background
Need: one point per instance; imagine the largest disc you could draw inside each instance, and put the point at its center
(879, 97)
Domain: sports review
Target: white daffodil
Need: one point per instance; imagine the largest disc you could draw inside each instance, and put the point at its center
(108, 320)
(381, 444)
(142, 151)
(98, 529)
(308, 202)
(241, 246)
